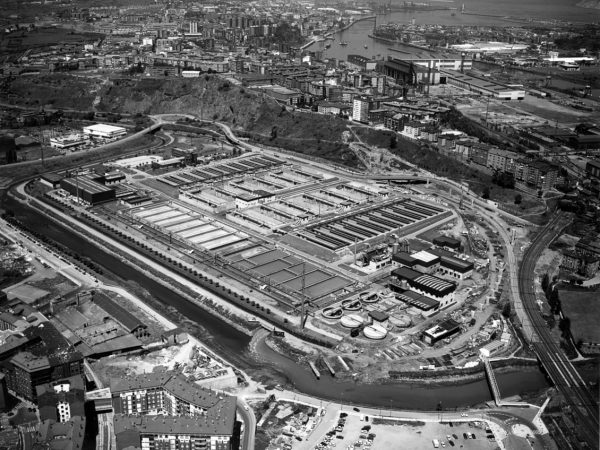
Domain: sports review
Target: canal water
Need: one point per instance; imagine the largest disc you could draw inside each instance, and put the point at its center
(233, 345)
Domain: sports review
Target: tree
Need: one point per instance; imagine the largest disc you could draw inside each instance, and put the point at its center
(506, 310)
(486, 193)
(564, 325)
(393, 141)
(518, 199)
(554, 301)
(546, 283)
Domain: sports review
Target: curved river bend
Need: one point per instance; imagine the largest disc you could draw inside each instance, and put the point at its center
(233, 344)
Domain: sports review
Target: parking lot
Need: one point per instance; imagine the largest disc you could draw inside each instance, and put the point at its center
(359, 431)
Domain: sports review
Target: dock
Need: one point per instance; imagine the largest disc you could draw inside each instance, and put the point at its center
(329, 367)
(315, 370)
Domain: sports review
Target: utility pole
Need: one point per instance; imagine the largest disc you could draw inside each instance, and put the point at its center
(77, 184)
(302, 298)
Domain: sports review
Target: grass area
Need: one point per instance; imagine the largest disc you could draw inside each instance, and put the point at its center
(56, 90)
(581, 306)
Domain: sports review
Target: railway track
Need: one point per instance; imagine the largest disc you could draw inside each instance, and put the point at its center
(559, 368)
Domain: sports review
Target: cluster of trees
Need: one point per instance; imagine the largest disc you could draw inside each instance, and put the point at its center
(549, 288)
(504, 179)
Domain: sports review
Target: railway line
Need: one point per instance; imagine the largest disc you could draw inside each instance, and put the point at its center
(558, 367)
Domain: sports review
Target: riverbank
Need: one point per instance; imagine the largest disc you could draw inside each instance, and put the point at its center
(271, 366)
(202, 301)
(439, 378)
(328, 35)
(394, 41)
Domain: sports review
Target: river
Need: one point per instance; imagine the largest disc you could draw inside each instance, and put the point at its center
(479, 12)
(233, 345)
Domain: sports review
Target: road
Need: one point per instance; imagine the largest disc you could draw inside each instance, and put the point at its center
(562, 372)
(249, 420)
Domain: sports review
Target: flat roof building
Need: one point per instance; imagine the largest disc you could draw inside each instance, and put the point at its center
(446, 242)
(452, 266)
(88, 189)
(441, 331)
(103, 131)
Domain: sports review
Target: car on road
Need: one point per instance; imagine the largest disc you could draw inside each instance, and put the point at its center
(465, 435)
(356, 409)
(464, 415)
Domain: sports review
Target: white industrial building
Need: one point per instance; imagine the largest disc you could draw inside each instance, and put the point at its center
(103, 131)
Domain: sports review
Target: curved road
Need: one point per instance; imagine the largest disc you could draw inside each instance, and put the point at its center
(564, 375)
(249, 420)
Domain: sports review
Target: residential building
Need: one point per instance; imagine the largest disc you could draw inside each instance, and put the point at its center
(360, 108)
(500, 160)
(161, 409)
(593, 168)
(41, 356)
(541, 174)
(478, 153)
(62, 400)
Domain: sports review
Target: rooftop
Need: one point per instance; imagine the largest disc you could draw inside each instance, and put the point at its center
(103, 128)
(129, 429)
(121, 315)
(425, 256)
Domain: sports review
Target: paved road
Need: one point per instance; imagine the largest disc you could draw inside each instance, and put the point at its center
(249, 424)
(564, 375)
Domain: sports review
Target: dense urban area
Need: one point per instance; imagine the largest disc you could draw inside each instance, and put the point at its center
(363, 224)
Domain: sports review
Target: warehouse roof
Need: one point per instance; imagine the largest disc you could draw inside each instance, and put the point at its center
(103, 128)
(415, 299)
(451, 261)
(87, 184)
(121, 315)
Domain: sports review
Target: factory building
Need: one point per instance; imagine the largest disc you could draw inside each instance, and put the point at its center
(451, 266)
(441, 331)
(482, 86)
(427, 305)
(426, 284)
(88, 189)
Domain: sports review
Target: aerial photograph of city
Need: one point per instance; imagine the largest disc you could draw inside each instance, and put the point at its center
(299, 224)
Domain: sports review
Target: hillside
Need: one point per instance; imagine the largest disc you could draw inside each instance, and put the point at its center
(254, 116)
(51, 91)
